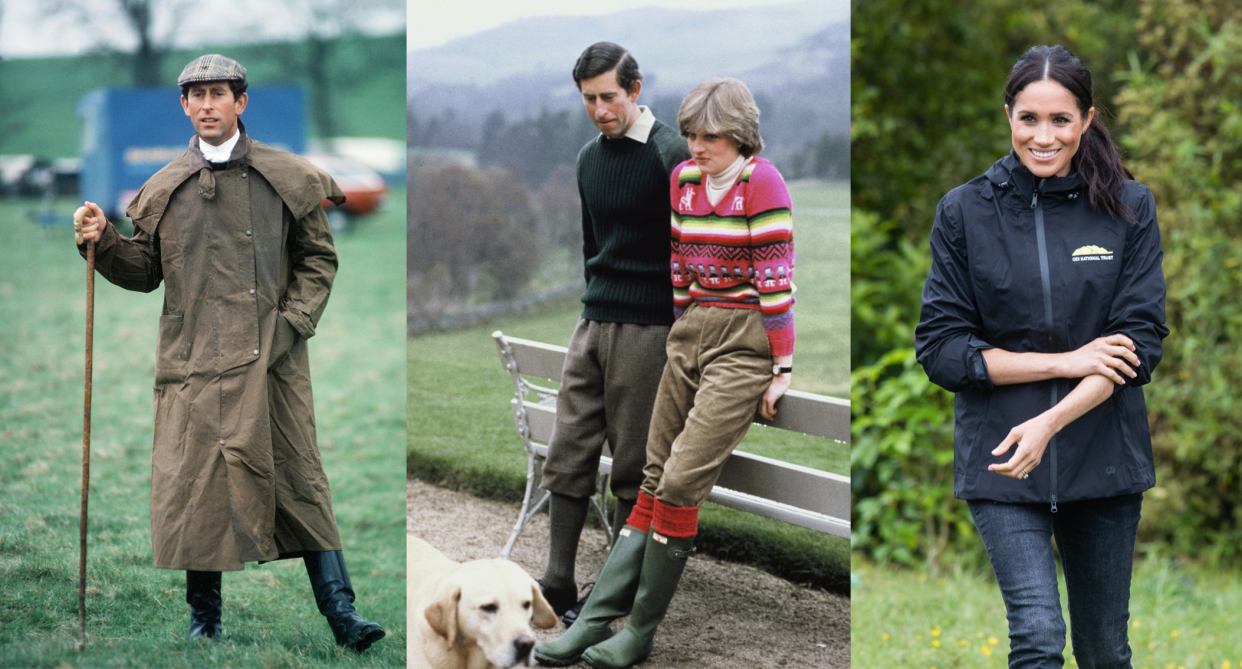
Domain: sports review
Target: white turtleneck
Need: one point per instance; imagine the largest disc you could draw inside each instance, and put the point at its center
(720, 184)
(219, 154)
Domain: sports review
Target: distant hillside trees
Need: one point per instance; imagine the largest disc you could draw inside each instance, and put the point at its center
(465, 224)
(445, 130)
(827, 158)
(560, 211)
(534, 146)
(478, 234)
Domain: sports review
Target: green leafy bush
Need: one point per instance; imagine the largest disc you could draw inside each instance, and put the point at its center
(902, 455)
(1185, 142)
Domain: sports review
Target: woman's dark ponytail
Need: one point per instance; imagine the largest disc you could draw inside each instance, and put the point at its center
(1097, 160)
(1102, 171)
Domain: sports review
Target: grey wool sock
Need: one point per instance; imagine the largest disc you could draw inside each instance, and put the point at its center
(568, 516)
(622, 514)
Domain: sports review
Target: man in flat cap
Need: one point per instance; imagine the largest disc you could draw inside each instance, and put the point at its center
(235, 232)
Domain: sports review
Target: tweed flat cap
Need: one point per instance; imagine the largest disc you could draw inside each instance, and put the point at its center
(212, 67)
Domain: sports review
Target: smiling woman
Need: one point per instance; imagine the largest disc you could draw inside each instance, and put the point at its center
(1047, 127)
(1044, 350)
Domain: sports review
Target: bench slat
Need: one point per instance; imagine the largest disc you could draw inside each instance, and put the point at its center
(817, 491)
(811, 414)
(784, 513)
(536, 358)
(802, 412)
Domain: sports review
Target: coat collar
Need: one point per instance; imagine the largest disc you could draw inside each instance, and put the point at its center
(301, 185)
(240, 149)
(1009, 172)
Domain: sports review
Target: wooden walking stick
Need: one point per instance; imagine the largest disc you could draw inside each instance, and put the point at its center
(86, 431)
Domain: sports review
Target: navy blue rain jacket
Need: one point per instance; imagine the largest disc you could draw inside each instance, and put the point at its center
(1027, 265)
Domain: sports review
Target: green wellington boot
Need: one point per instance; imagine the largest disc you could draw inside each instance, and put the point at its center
(612, 597)
(663, 564)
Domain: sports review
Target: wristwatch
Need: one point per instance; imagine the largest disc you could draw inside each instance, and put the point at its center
(777, 370)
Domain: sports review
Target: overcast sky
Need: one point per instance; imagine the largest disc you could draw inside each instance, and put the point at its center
(26, 31)
(433, 23)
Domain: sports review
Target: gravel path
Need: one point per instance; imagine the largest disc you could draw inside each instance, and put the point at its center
(725, 616)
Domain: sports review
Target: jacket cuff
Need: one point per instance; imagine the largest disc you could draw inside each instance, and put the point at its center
(977, 365)
(300, 320)
(107, 239)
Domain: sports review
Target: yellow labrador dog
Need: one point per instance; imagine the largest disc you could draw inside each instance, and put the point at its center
(474, 615)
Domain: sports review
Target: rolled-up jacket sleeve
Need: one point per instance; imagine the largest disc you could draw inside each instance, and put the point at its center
(1137, 309)
(948, 340)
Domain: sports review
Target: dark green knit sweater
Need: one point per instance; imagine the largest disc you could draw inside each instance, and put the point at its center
(624, 186)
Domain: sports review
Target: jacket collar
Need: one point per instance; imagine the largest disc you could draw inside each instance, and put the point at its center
(198, 162)
(1009, 172)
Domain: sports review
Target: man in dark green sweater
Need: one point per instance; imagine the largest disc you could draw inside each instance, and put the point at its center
(617, 353)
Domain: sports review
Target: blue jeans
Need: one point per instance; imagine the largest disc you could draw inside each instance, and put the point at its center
(1095, 539)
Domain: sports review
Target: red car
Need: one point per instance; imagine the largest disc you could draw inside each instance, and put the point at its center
(365, 190)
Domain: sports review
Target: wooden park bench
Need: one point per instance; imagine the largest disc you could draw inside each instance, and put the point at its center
(763, 486)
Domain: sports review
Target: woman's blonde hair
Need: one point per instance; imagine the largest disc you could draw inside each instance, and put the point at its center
(722, 107)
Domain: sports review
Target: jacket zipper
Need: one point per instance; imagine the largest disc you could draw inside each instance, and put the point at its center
(1046, 281)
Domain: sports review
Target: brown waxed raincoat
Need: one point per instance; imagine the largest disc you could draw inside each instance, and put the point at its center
(246, 258)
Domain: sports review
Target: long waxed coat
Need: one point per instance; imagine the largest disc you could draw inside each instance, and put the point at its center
(246, 258)
(1028, 265)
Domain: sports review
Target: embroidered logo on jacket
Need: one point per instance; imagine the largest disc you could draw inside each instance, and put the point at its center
(1090, 252)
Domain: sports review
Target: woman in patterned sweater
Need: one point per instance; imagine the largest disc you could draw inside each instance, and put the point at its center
(730, 352)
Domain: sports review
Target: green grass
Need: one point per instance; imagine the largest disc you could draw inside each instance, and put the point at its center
(1182, 616)
(39, 96)
(461, 433)
(137, 615)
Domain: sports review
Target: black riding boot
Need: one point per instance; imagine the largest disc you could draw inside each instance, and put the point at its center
(202, 593)
(335, 598)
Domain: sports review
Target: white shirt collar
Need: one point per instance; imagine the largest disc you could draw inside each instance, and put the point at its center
(640, 129)
(219, 154)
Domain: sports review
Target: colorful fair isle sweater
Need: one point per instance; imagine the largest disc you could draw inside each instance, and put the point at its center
(738, 253)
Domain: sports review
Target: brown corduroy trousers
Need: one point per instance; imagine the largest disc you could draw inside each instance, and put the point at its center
(719, 365)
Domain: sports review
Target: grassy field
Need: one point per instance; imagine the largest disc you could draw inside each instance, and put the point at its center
(39, 96)
(137, 615)
(1182, 616)
(461, 433)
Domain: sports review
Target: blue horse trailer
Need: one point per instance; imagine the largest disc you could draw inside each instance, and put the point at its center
(128, 134)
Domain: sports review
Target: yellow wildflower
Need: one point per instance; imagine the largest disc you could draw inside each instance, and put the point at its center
(936, 644)
(992, 641)
(935, 631)
(986, 650)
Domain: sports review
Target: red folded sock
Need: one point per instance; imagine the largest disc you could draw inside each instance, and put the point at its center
(640, 517)
(676, 521)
